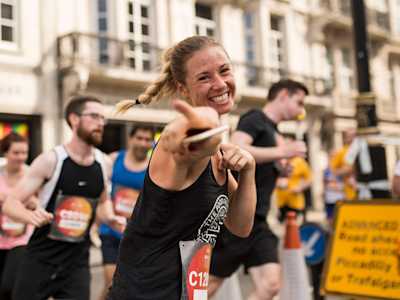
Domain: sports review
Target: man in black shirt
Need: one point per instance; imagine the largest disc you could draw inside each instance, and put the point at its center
(257, 133)
(71, 181)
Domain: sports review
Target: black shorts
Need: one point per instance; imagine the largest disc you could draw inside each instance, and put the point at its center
(39, 281)
(109, 248)
(10, 271)
(230, 252)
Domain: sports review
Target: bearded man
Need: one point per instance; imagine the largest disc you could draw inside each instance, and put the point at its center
(71, 181)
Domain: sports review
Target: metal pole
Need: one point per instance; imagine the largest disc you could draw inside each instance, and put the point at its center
(367, 122)
(366, 108)
(360, 43)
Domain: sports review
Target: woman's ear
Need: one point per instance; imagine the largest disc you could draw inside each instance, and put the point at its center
(183, 91)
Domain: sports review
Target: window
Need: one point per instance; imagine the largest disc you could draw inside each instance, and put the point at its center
(392, 81)
(397, 17)
(204, 20)
(378, 13)
(345, 7)
(329, 70)
(379, 5)
(346, 72)
(141, 57)
(277, 47)
(102, 27)
(252, 72)
(8, 24)
(249, 37)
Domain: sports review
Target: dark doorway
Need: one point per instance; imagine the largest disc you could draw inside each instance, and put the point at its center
(114, 138)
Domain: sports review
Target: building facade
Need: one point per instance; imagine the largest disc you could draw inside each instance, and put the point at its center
(50, 50)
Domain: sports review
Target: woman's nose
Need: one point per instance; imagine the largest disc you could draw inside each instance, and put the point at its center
(219, 82)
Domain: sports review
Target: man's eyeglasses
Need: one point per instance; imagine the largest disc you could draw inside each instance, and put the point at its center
(95, 116)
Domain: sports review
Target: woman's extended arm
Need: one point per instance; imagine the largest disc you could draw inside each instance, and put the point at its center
(175, 165)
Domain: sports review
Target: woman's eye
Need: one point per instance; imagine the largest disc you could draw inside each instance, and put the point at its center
(225, 70)
(203, 78)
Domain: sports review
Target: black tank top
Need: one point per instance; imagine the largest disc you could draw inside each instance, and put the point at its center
(149, 265)
(73, 180)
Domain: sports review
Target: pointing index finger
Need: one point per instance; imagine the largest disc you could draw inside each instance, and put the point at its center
(189, 112)
(185, 109)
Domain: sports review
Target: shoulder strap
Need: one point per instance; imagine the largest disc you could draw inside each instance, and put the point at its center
(99, 157)
(49, 186)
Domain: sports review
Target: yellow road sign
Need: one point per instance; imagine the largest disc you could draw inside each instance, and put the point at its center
(364, 251)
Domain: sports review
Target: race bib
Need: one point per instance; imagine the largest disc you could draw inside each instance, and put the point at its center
(72, 217)
(196, 258)
(125, 201)
(11, 228)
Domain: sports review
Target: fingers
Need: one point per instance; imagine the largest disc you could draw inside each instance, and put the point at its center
(184, 108)
(171, 139)
(235, 158)
(301, 146)
(40, 217)
(118, 223)
(220, 160)
(197, 117)
(120, 220)
(296, 148)
(188, 111)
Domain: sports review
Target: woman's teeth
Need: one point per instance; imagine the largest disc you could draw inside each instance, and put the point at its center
(220, 99)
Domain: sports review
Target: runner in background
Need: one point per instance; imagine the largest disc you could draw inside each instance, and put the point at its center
(72, 183)
(13, 235)
(342, 169)
(333, 190)
(289, 191)
(129, 169)
(257, 132)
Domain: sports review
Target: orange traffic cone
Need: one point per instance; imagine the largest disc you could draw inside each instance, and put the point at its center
(295, 283)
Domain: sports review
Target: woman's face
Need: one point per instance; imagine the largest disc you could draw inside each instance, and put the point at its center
(210, 80)
(17, 154)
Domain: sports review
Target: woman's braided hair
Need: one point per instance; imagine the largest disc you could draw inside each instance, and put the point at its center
(172, 72)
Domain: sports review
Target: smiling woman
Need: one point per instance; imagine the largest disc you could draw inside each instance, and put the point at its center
(188, 192)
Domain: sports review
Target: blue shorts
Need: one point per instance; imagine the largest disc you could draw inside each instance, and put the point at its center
(109, 248)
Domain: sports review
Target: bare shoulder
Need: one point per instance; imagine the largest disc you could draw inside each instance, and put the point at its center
(112, 157)
(44, 165)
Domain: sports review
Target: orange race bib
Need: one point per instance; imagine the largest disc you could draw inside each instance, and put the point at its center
(196, 258)
(11, 228)
(72, 217)
(125, 201)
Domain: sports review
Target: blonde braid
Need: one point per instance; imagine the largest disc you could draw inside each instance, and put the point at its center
(162, 86)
